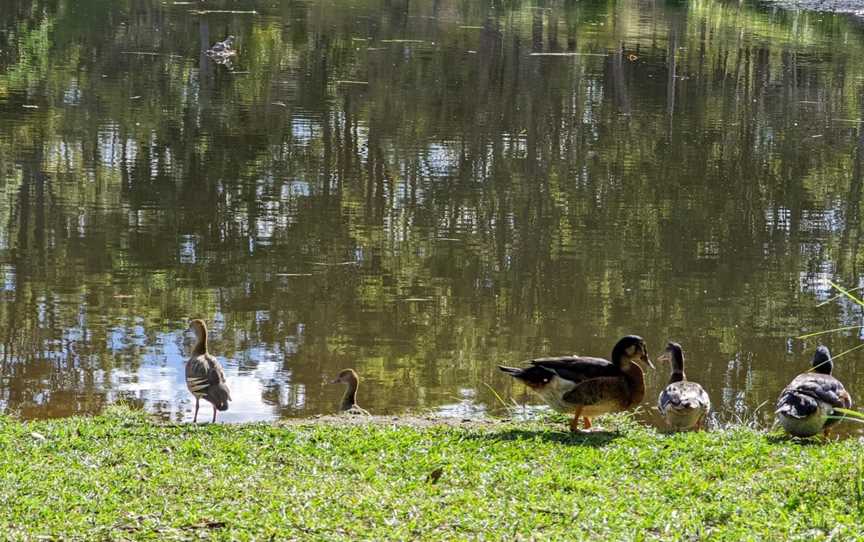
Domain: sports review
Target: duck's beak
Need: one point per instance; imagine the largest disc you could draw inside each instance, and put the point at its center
(647, 360)
(664, 357)
(334, 381)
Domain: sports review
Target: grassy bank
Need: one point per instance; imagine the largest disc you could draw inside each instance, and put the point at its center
(121, 476)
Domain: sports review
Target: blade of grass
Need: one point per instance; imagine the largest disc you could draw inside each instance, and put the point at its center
(846, 292)
(844, 328)
(500, 400)
(829, 300)
(852, 413)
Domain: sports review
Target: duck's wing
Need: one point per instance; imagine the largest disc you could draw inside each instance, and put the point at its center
(683, 395)
(802, 396)
(218, 392)
(197, 375)
(823, 387)
(598, 390)
(578, 368)
(205, 378)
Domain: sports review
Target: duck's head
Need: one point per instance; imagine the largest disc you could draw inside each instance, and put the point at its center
(629, 349)
(346, 376)
(822, 362)
(673, 353)
(198, 327)
(229, 41)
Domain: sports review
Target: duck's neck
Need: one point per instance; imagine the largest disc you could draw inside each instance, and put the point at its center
(677, 368)
(349, 400)
(636, 379)
(201, 346)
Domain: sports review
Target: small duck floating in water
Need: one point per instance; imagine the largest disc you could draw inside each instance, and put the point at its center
(588, 387)
(222, 51)
(806, 404)
(351, 379)
(683, 404)
(204, 375)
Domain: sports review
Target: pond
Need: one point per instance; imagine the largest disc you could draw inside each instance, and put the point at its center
(421, 191)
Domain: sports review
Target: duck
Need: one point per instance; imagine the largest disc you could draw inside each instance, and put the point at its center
(223, 48)
(351, 379)
(204, 375)
(587, 387)
(806, 406)
(683, 404)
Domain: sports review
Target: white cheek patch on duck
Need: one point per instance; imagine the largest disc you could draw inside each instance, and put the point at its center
(553, 392)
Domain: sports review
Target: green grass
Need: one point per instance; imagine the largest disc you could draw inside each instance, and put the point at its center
(121, 476)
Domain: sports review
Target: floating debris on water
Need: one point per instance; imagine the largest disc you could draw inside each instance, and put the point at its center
(293, 274)
(568, 54)
(405, 41)
(335, 264)
(140, 53)
(416, 299)
(469, 27)
(350, 82)
(280, 104)
(30, 106)
(229, 11)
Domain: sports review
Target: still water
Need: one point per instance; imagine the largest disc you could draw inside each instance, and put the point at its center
(420, 190)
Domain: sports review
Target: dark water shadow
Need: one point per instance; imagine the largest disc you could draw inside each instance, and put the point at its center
(594, 439)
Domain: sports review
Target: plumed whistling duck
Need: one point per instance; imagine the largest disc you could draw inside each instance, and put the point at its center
(587, 387)
(351, 379)
(805, 405)
(204, 375)
(682, 403)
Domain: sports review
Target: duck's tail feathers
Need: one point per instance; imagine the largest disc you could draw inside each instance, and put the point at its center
(219, 395)
(796, 405)
(535, 374)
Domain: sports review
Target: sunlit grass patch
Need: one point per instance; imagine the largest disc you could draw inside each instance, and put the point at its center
(122, 476)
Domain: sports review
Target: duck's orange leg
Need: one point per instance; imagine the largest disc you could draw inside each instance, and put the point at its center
(574, 423)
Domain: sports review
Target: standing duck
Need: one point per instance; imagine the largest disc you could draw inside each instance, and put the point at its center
(682, 403)
(204, 375)
(351, 379)
(587, 387)
(806, 405)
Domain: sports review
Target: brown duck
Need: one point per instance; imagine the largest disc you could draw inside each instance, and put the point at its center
(204, 375)
(587, 387)
(351, 379)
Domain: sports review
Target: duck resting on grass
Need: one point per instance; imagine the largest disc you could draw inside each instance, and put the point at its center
(351, 379)
(204, 375)
(683, 404)
(806, 406)
(588, 387)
